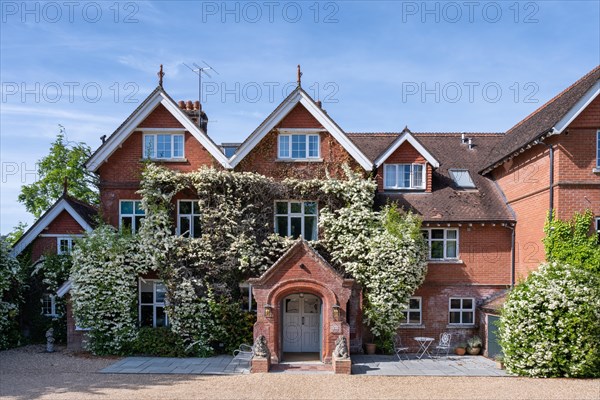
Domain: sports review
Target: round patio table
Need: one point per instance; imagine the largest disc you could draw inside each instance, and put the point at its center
(424, 343)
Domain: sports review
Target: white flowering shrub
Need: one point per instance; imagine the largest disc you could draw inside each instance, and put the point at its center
(383, 251)
(550, 325)
(104, 292)
(10, 299)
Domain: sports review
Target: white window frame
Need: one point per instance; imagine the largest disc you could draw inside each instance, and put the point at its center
(291, 215)
(155, 136)
(598, 149)
(52, 300)
(289, 156)
(412, 185)
(445, 240)
(597, 222)
(190, 217)
(58, 246)
(154, 304)
(134, 227)
(461, 310)
(407, 311)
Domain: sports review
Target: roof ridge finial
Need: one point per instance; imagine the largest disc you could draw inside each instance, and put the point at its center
(299, 76)
(160, 76)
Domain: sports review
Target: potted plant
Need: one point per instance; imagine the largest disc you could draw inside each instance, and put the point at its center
(370, 348)
(460, 349)
(474, 345)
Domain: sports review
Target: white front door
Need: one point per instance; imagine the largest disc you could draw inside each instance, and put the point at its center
(301, 317)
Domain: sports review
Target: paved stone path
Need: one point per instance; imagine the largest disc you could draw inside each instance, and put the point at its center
(450, 366)
(219, 365)
(361, 365)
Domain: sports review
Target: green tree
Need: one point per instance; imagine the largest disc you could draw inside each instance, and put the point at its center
(65, 160)
(14, 236)
(573, 242)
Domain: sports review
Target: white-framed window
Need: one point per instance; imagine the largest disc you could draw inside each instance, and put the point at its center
(49, 305)
(152, 303)
(188, 218)
(64, 245)
(413, 314)
(462, 178)
(404, 176)
(443, 243)
(131, 215)
(461, 311)
(298, 146)
(598, 149)
(598, 228)
(296, 218)
(163, 146)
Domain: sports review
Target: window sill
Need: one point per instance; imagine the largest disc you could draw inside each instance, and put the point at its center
(298, 160)
(445, 262)
(165, 160)
(461, 326)
(596, 170)
(395, 190)
(412, 326)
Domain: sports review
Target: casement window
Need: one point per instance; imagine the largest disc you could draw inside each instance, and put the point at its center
(412, 314)
(152, 303)
(163, 146)
(188, 218)
(462, 178)
(131, 215)
(299, 147)
(49, 305)
(461, 311)
(598, 149)
(296, 218)
(64, 245)
(598, 228)
(443, 243)
(404, 176)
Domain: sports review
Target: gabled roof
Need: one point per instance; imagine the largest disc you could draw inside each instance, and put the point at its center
(299, 96)
(406, 136)
(158, 96)
(446, 202)
(550, 119)
(82, 213)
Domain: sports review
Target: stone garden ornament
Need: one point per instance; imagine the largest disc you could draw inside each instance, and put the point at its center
(260, 347)
(341, 347)
(50, 340)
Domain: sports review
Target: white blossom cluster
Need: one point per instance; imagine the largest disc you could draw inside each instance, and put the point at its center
(9, 307)
(550, 325)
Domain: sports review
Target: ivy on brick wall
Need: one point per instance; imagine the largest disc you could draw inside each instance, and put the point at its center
(383, 251)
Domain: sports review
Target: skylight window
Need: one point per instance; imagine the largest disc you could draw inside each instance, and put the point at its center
(462, 178)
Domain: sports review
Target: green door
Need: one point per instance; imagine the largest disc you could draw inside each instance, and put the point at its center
(493, 345)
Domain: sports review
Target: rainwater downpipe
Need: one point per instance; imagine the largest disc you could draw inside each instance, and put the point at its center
(551, 185)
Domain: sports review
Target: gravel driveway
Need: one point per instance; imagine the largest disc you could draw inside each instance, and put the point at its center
(28, 373)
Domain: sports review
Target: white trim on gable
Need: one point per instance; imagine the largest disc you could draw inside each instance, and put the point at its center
(574, 112)
(298, 96)
(407, 137)
(138, 116)
(44, 221)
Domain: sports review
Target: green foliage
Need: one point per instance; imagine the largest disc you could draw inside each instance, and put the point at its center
(158, 342)
(573, 242)
(65, 160)
(550, 325)
(14, 236)
(474, 341)
(10, 298)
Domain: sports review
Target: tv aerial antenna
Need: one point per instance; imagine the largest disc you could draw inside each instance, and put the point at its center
(198, 70)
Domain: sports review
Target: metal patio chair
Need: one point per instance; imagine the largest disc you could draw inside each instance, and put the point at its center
(399, 349)
(444, 345)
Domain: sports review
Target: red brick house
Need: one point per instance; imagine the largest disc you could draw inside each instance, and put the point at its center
(483, 198)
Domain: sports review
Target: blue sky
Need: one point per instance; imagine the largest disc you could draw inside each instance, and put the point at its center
(376, 65)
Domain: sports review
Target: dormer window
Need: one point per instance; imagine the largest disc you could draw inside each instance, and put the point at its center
(462, 178)
(404, 176)
(163, 146)
(299, 146)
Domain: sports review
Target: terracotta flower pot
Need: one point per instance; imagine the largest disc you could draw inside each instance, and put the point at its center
(473, 350)
(460, 351)
(370, 347)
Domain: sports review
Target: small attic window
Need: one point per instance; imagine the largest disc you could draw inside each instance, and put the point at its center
(462, 178)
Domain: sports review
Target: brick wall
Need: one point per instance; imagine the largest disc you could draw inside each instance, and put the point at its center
(65, 224)
(263, 157)
(405, 154)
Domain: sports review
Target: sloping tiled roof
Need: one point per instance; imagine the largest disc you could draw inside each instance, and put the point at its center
(86, 211)
(446, 202)
(542, 120)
